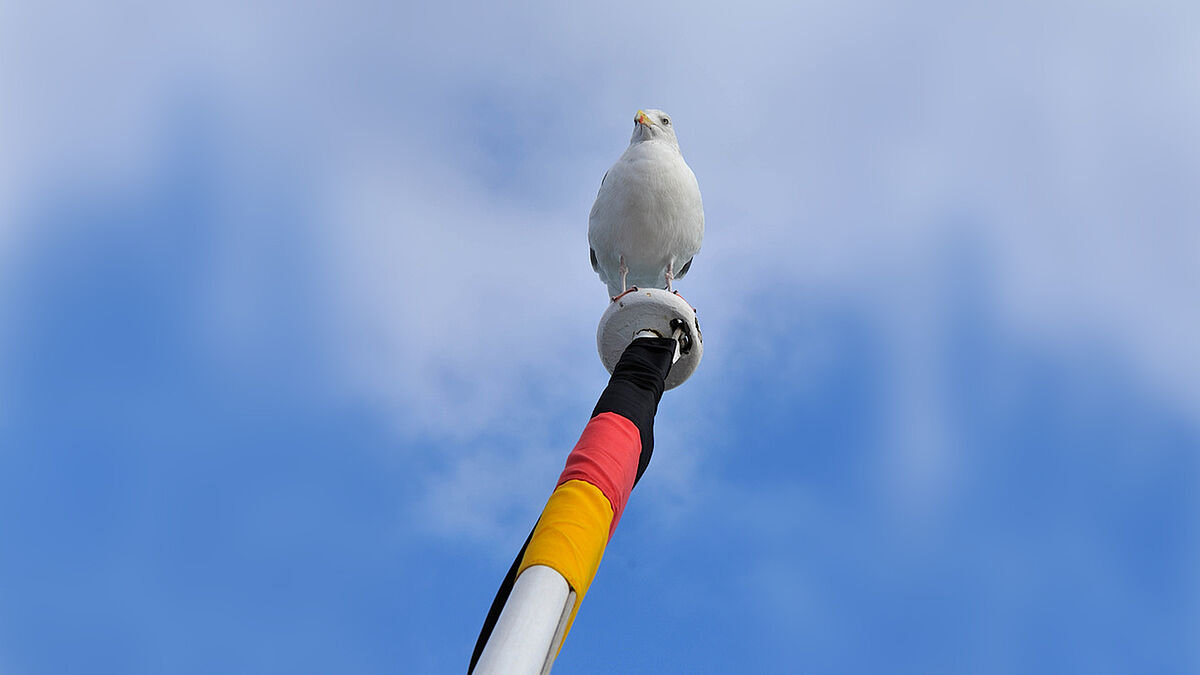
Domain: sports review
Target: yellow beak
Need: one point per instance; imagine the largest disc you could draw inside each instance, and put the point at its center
(642, 118)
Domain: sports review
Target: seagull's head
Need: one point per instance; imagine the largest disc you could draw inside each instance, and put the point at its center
(653, 125)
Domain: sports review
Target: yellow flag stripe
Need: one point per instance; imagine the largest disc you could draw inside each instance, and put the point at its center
(570, 536)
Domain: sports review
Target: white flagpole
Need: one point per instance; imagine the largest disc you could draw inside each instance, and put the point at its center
(527, 635)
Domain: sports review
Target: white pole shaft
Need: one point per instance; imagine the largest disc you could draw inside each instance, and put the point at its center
(530, 628)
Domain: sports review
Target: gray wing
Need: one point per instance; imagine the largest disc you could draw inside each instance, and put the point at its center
(602, 183)
(596, 263)
(682, 271)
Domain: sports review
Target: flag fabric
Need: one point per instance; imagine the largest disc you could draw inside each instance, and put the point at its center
(585, 507)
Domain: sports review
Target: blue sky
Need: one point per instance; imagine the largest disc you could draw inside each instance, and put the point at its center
(297, 328)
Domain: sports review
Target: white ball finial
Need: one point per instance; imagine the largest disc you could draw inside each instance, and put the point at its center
(663, 313)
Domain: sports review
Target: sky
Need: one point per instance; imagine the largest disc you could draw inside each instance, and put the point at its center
(297, 329)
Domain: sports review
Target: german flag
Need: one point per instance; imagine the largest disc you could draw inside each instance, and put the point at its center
(612, 454)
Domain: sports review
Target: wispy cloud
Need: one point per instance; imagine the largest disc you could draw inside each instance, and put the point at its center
(840, 149)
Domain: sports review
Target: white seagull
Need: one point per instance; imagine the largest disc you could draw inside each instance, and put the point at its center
(648, 220)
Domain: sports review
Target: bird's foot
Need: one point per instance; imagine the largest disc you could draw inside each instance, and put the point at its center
(627, 291)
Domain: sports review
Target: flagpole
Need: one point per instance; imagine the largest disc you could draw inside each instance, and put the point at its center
(531, 627)
(650, 341)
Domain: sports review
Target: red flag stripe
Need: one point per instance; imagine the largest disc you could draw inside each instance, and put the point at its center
(607, 457)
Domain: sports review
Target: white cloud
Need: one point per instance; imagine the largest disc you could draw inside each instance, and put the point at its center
(490, 494)
(837, 146)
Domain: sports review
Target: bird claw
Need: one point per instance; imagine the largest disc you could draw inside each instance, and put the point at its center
(631, 289)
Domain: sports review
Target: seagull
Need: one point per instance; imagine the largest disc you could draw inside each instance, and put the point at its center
(648, 220)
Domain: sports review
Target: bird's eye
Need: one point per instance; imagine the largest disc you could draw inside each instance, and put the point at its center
(666, 122)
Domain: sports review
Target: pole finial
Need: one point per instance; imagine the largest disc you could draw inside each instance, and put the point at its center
(661, 312)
